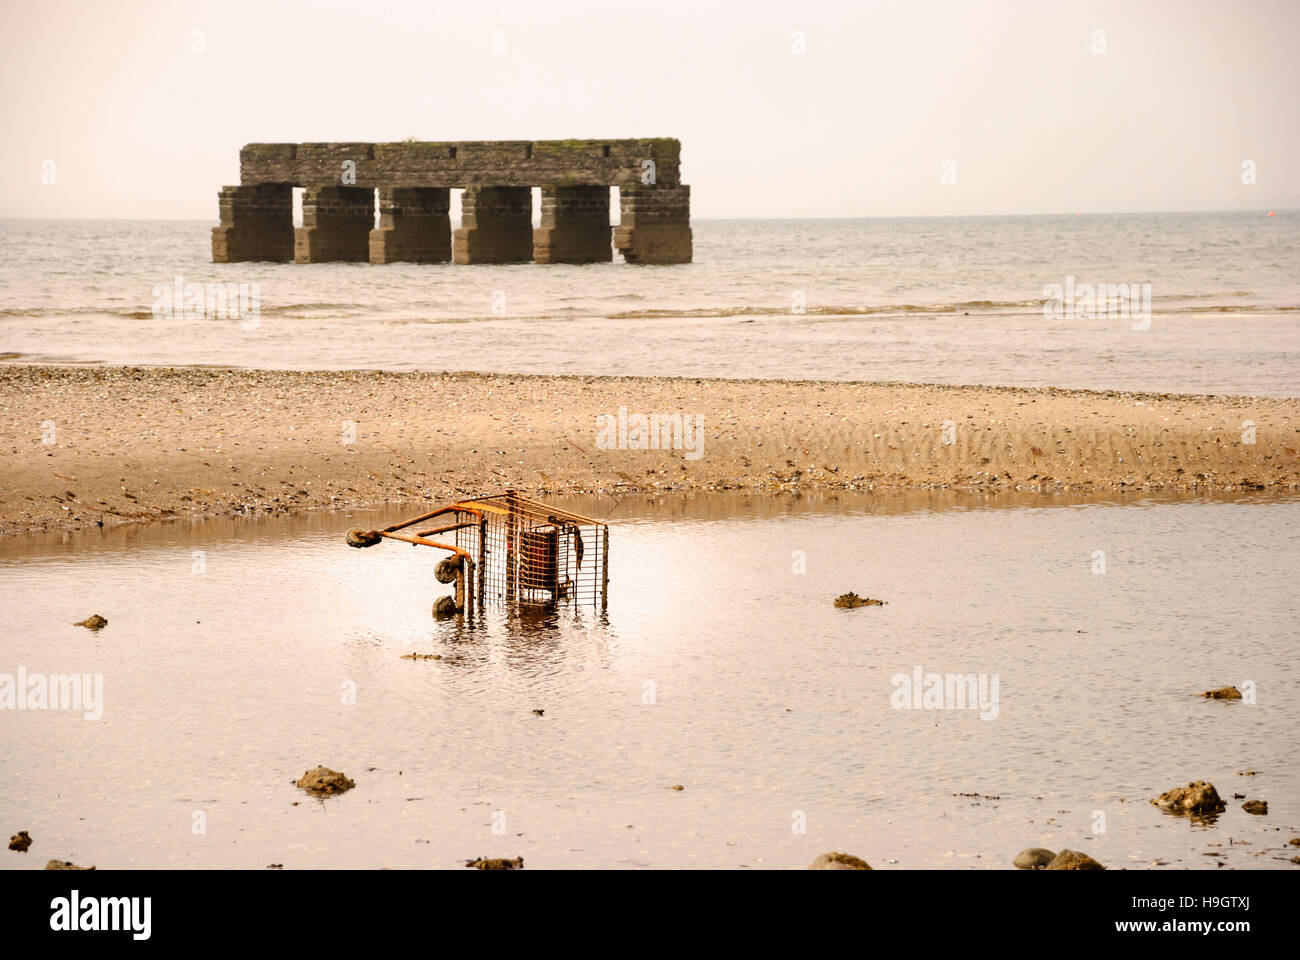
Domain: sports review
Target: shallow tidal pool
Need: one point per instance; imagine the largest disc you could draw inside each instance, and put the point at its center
(239, 654)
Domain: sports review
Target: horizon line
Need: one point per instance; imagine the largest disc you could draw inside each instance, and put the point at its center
(906, 216)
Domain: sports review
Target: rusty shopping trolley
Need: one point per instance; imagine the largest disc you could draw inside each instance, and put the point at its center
(506, 549)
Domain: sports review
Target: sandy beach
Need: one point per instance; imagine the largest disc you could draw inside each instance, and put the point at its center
(85, 446)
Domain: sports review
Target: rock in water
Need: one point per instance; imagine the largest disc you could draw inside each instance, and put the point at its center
(93, 622)
(20, 841)
(1033, 858)
(850, 600)
(839, 861)
(496, 863)
(324, 782)
(1257, 807)
(1073, 860)
(1197, 799)
(64, 865)
(1222, 693)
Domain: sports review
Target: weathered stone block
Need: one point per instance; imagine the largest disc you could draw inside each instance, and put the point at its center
(496, 226)
(414, 226)
(654, 223)
(575, 226)
(465, 163)
(256, 224)
(336, 225)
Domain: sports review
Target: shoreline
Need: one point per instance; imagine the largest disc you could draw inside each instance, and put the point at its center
(135, 444)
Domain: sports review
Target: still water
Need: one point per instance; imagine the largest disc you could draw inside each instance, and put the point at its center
(240, 653)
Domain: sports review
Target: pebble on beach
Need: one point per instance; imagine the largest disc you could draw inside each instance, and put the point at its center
(20, 841)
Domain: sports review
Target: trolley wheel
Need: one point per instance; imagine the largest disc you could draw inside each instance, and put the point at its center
(362, 538)
(444, 607)
(447, 569)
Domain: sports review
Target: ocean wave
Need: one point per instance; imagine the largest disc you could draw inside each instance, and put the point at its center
(816, 310)
(419, 312)
(904, 309)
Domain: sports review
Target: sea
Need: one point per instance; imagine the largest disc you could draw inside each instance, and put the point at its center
(1202, 303)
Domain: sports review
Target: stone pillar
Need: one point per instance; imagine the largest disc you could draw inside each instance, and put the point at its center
(655, 223)
(336, 224)
(413, 226)
(575, 226)
(256, 223)
(496, 225)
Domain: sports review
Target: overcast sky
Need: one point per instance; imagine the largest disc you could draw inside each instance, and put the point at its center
(864, 123)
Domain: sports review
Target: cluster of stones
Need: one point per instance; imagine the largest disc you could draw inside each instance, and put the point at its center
(414, 182)
(1039, 858)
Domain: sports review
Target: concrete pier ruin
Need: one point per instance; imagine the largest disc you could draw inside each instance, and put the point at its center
(412, 182)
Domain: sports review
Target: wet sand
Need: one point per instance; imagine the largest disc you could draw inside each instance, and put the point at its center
(132, 444)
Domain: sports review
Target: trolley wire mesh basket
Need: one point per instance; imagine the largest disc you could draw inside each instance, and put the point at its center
(508, 549)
